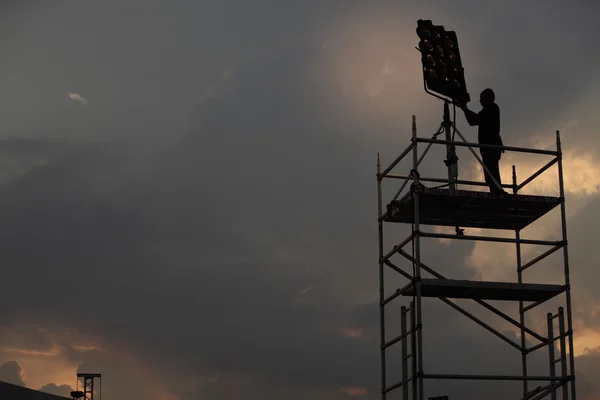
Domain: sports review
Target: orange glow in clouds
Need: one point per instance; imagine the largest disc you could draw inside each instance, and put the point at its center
(355, 391)
(375, 75)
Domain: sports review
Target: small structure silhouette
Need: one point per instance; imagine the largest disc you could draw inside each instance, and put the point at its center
(77, 394)
(88, 385)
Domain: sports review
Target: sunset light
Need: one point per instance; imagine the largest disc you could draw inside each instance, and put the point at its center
(249, 200)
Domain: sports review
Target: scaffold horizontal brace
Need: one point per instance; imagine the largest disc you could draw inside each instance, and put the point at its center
(489, 146)
(396, 386)
(395, 340)
(496, 377)
(490, 239)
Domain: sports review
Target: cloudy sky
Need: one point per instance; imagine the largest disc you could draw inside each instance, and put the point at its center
(188, 193)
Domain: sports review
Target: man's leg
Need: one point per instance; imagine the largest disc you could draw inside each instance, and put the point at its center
(491, 161)
(495, 170)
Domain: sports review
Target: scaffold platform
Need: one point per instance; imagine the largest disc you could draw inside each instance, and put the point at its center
(472, 209)
(507, 291)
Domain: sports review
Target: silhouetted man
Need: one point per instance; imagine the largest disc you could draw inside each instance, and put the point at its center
(488, 120)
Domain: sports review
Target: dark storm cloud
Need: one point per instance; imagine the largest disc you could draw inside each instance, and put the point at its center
(190, 248)
(11, 372)
(25, 337)
(540, 69)
(153, 249)
(59, 390)
(587, 366)
(242, 305)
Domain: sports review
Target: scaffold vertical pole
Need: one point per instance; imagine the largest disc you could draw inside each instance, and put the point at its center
(551, 356)
(413, 350)
(563, 213)
(563, 352)
(520, 281)
(451, 158)
(381, 280)
(417, 268)
(404, 333)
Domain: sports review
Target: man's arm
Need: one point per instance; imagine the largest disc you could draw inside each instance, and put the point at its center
(472, 117)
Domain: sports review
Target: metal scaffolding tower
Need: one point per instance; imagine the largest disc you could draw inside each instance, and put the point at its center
(454, 207)
(88, 386)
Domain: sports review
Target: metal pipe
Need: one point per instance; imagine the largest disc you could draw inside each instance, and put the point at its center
(381, 175)
(538, 173)
(394, 387)
(563, 215)
(520, 281)
(494, 377)
(397, 247)
(404, 333)
(424, 266)
(480, 322)
(405, 241)
(540, 389)
(382, 217)
(551, 351)
(424, 154)
(440, 180)
(489, 146)
(391, 298)
(533, 305)
(489, 239)
(521, 313)
(520, 325)
(389, 254)
(381, 287)
(560, 336)
(435, 135)
(417, 278)
(394, 341)
(541, 257)
(539, 346)
(413, 350)
(398, 293)
(398, 270)
(563, 352)
(451, 158)
(401, 189)
(536, 347)
(414, 142)
(553, 387)
(515, 187)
